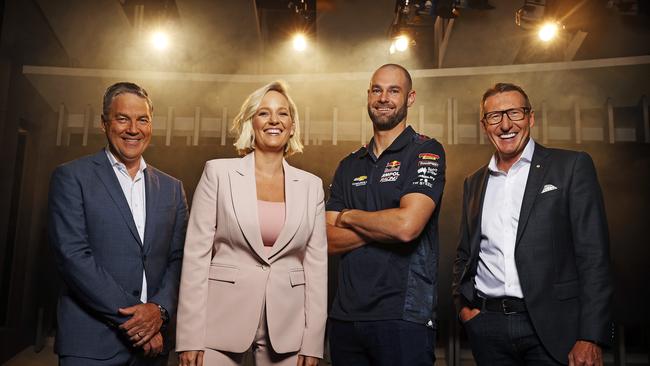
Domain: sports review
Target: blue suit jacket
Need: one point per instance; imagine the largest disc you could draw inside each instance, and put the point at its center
(100, 255)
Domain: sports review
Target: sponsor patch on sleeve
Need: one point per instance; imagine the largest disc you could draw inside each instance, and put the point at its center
(426, 176)
(428, 156)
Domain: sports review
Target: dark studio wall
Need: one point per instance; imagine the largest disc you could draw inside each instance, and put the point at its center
(29, 115)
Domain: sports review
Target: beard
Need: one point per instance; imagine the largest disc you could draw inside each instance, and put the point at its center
(386, 123)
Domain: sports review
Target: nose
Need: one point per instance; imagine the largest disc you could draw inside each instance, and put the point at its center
(275, 119)
(132, 127)
(506, 123)
(383, 97)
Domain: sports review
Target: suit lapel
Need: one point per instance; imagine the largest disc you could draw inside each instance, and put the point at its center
(105, 172)
(475, 209)
(244, 199)
(295, 195)
(536, 175)
(152, 188)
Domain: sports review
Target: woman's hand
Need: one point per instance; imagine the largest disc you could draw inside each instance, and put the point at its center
(307, 361)
(190, 358)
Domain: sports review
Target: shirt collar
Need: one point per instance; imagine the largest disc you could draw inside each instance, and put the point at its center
(114, 162)
(526, 156)
(398, 144)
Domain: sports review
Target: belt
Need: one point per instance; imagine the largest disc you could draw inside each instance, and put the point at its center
(505, 305)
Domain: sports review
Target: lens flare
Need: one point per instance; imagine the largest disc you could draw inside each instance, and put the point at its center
(160, 40)
(299, 42)
(401, 43)
(548, 31)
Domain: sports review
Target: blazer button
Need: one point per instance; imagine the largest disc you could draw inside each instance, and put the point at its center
(136, 293)
(264, 267)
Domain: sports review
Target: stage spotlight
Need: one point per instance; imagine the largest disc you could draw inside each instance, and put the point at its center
(299, 42)
(401, 43)
(548, 31)
(160, 40)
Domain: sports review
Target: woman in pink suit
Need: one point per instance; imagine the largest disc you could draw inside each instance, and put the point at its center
(255, 261)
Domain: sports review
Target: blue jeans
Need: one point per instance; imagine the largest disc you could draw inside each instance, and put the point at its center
(506, 339)
(381, 343)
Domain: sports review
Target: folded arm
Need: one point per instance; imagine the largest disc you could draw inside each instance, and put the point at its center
(350, 229)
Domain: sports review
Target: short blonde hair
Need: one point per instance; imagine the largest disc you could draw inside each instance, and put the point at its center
(243, 123)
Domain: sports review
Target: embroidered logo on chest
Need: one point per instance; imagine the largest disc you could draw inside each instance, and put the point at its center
(359, 181)
(391, 172)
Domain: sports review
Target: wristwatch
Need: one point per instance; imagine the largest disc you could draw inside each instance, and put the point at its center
(164, 315)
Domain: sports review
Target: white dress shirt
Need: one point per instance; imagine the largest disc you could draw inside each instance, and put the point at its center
(134, 192)
(496, 274)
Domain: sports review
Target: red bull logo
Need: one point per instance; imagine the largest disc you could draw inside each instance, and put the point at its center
(393, 164)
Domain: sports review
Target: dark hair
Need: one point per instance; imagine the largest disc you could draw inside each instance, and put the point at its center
(502, 88)
(119, 88)
(409, 81)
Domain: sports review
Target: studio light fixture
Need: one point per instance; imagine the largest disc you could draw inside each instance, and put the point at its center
(299, 42)
(548, 31)
(400, 43)
(160, 40)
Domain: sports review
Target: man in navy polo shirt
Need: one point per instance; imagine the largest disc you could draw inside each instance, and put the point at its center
(382, 217)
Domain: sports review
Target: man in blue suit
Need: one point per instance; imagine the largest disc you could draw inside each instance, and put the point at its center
(117, 227)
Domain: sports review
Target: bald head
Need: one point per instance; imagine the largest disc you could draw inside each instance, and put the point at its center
(407, 76)
(389, 97)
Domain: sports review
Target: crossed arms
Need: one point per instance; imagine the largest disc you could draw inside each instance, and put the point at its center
(351, 229)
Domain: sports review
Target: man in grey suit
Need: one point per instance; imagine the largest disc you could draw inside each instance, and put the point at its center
(531, 278)
(117, 227)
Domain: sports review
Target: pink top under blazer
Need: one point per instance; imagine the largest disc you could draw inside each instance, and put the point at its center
(227, 275)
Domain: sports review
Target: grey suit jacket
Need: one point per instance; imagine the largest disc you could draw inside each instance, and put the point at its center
(100, 256)
(561, 250)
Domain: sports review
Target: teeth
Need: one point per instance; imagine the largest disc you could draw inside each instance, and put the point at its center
(274, 131)
(508, 135)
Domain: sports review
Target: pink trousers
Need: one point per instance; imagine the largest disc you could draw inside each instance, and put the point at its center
(262, 351)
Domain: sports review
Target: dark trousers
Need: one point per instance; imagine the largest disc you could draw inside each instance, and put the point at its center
(120, 359)
(381, 343)
(506, 339)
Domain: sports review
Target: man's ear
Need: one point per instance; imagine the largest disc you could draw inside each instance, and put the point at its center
(410, 99)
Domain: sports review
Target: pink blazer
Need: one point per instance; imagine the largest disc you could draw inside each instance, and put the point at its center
(227, 276)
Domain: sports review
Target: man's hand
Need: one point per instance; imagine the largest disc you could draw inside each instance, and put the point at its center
(191, 358)
(145, 322)
(154, 346)
(466, 314)
(585, 353)
(307, 361)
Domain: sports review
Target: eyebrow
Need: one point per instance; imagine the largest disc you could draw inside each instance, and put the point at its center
(388, 87)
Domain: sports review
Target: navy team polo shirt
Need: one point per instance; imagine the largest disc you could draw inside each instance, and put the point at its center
(380, 281)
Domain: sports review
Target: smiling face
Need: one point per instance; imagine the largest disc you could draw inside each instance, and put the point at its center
(128, 128)
(389, 97)
(272, 123)
(508, 137)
